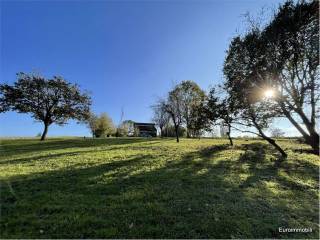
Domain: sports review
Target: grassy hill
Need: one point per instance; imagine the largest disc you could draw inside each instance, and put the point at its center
(153, 188)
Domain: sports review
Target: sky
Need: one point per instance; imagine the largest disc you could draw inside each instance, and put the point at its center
(126, 53)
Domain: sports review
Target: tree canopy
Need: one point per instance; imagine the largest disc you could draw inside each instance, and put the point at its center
(283, 58)
(47, 100)
(101, 126)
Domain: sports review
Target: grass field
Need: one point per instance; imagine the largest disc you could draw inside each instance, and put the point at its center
(153, 188)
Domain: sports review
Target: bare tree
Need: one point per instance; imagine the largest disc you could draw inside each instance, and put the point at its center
(160, 116)
(277, 133)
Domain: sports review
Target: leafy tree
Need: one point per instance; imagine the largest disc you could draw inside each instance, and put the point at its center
(169, 131)
(291, 42)
(92, 123)
(283, 57)
(186, 106)
(47, 100)
(101, 126)
(198, 121)
(128, 126)
(221, 109)
(192, 104)
(254, 111)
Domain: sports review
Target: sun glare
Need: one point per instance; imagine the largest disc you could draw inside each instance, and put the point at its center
(269, 93)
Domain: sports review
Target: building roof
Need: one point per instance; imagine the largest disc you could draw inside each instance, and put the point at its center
(145, 127)
(144, 124)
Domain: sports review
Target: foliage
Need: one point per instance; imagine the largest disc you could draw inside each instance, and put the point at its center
(47, 100)
(223, 109)
(169, 131)
(136, 132)
(193, 107)
(150, 188)
(129, 129)
(283, 57)
(186, 106)
(101, 126)
(126, 129)
(121, 131)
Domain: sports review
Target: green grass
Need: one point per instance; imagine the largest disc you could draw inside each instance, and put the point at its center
(153, 188)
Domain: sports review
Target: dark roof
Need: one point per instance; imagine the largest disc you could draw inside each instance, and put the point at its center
(144, 124)
(145, 127)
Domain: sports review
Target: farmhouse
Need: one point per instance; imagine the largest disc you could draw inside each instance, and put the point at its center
(146, 129)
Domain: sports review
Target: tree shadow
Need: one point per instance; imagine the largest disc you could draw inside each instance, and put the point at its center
(43, 158)
(27, 146)
(193, 197)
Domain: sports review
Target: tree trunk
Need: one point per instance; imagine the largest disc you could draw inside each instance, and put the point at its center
(45, 131)
(273, 143)
(314, 142)
(188, 134)
(313, 138)
(177, 132)
(270, 140)
(187, 127)
(293, 121)
(161, 132)
(229, 135)
(230, 139)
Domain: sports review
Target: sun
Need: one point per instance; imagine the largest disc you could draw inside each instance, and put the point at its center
(269, 93)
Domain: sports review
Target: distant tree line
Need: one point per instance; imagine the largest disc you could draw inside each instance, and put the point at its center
(270, 72)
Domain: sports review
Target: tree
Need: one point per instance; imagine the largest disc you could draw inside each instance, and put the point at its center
(160, 115)
(192, 102)
(198, 121)
(283, 58)
(92, 123)
(121, 131)
(293, 61)
(128, 128)
(47, 100)
(254, 110)
(221, 109)
(277, 133)
(101, 126)
(136, 132)
(174, 107)
(169, 131)
(185, 105)
(122, 128)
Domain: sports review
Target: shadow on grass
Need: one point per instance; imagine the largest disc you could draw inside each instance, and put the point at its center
(135, 198)
(26, 146)
(43, 158)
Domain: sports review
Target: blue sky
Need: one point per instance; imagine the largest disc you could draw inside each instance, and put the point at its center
(126, 53)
